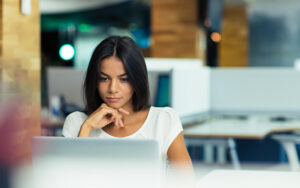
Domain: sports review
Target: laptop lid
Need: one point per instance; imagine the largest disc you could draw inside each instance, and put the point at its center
(94, 162)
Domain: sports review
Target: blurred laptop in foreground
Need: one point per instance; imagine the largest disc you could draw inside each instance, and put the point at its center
(93, 162)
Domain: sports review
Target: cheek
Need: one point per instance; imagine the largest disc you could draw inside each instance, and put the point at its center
(101, 88)
(129, 90)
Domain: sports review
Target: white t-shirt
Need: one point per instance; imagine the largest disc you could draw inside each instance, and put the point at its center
(161, 124)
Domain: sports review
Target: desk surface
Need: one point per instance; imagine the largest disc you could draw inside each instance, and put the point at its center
(234, 128)
(250, 178)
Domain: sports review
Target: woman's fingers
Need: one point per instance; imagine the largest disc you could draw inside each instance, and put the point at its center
(119, 121)
(109, 115)
(105, 115)
(116, 118)
(123, 111)
(115, 115)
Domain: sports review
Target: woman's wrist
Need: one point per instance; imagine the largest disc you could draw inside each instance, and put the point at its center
(85, 129)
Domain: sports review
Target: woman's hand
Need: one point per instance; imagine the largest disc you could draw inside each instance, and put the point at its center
(101, 117)
(105, 115)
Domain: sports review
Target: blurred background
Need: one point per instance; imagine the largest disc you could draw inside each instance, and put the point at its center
(222, 33)
(46, 46)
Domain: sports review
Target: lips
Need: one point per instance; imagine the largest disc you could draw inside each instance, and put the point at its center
(113, 99)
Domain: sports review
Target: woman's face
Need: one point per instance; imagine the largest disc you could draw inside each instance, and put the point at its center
(113, 87)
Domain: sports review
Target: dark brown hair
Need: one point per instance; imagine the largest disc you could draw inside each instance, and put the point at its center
(128, 52)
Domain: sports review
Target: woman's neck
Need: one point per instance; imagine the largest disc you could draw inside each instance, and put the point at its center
(130, 117)
(134, 117)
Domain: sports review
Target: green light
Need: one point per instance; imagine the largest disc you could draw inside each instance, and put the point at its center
(84, 28)
(66, 52)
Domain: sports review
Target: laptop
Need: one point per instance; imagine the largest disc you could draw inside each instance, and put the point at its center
(94, 162)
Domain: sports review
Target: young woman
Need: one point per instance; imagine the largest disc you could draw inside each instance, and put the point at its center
(117, 95)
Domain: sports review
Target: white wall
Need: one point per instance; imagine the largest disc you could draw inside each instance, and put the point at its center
(243, 90)
(190, 93)
(190, 83)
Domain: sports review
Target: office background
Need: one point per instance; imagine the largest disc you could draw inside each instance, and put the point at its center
(218, 33)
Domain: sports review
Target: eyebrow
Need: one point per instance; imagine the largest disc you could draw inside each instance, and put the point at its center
(121, 75)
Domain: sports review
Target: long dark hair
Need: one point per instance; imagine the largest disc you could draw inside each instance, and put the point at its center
(128, 52)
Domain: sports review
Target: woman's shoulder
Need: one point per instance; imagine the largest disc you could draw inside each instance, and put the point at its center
(166, 113)
(77, 115)
(163, 110)
(73, 123)
(166, 125)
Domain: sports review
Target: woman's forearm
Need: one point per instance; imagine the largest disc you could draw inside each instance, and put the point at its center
(85, 130)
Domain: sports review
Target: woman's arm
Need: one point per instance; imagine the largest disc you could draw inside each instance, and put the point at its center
(85, 130)
(178, 154)
(181, 162)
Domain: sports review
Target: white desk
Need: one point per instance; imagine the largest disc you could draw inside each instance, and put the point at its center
(251, 179)
(224, 131)
(234, 128)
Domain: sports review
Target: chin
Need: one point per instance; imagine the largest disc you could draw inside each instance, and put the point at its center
(114, 105)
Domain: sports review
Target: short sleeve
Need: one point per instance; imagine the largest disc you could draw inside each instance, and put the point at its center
(173, 127)
(73, 124)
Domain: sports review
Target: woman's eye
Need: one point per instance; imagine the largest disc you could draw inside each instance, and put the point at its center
(124, 79)
(103, 79)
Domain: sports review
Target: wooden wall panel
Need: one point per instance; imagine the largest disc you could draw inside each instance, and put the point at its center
(233, 51)
(20, 68)
(175, 31)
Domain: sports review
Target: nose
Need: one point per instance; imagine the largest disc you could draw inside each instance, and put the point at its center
(114, 86)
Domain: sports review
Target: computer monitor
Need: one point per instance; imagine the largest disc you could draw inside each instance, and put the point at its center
(162, 96)
(66, 82)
